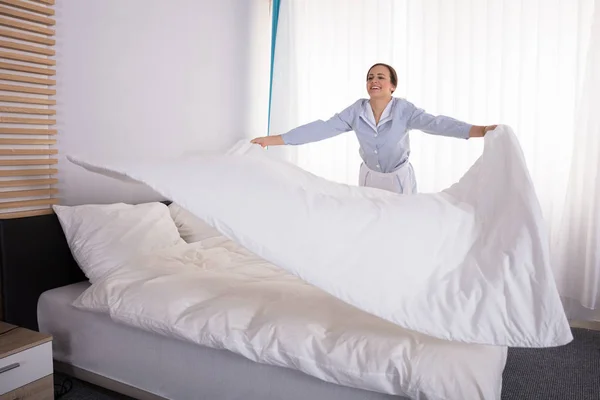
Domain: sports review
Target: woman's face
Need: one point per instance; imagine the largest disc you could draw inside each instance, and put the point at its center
(379, 83)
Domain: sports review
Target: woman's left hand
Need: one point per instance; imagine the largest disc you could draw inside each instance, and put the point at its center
(488, 128)
(480, 131)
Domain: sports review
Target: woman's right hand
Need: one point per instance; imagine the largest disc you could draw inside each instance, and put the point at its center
(265, 141)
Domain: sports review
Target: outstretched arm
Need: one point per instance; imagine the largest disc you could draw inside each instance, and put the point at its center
(313, 131)
(445, 126)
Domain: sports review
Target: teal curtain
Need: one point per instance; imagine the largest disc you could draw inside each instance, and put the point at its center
(274, 21)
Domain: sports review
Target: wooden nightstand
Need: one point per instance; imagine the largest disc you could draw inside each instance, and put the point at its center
(25, 364)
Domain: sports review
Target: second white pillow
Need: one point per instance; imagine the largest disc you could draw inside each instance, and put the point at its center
(191, 228)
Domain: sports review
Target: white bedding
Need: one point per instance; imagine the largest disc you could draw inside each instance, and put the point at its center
(168, 367)
(217, 294)
(469, 264)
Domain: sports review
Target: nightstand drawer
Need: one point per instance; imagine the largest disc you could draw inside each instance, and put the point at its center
(24, 367)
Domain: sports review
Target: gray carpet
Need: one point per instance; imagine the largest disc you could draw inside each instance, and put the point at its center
(570, 372)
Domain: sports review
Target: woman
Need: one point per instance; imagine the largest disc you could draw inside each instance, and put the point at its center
(381, 124)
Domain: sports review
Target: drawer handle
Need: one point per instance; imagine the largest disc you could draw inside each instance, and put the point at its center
(9, 367)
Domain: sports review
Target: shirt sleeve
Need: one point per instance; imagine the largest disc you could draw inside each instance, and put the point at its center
(438, 125)
(320, 130)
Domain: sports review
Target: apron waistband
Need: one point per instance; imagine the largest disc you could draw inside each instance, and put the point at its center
(398, 171)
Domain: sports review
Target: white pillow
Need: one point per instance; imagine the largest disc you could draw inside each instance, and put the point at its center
(191, 228)
(103, 237)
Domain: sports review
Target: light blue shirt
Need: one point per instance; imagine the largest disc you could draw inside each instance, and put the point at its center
(384, 147)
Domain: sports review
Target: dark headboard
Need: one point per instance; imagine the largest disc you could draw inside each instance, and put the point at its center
(34, 257)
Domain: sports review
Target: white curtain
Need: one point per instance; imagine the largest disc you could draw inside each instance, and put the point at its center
(516, 62)
(577, 240)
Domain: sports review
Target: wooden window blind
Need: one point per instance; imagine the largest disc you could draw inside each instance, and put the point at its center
(27, 108)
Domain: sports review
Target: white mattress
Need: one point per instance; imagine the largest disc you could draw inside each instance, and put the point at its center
(169, 367)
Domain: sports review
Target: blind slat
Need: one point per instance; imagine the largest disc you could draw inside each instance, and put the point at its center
(11, 23)
(5, 44)
(9, 12)
(28, 182)
(27, 131)
(27, 79)
(28, 161)
(27, 100)
(27, 152)
(31, 142)
(28, 121)
(13, 194)
(26, 58)
(27, 110)
(27, 89)
(26, 68)
(28, 6)
(27, 203)
(27, 37)
(27, 172)
(49, 2)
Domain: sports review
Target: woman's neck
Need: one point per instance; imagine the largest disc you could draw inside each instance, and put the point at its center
(378, 105)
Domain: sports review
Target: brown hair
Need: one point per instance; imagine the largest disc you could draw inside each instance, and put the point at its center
(393, 75)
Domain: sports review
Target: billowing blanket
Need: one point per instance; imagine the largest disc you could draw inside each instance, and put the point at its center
(468, 264)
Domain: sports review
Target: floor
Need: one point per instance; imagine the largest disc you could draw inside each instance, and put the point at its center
(67, 388)
(594, 325)
(570, 372)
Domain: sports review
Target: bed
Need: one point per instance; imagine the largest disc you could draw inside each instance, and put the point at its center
(40, 281)
(86, 344)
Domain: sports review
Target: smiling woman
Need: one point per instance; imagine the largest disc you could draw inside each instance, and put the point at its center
(381, 124)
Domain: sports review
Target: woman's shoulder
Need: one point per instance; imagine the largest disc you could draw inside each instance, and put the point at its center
(356, 107)
(359, 103)
(401, 101)
(402, 104)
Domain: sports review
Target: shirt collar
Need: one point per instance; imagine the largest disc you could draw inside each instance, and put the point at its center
(385, 116)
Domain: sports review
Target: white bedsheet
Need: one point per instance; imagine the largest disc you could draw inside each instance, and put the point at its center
(217, 294)
(469, 264)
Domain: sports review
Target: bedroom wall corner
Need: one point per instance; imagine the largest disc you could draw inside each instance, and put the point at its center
(150, 79)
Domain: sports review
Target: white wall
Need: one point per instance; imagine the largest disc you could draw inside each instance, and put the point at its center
(155, 77)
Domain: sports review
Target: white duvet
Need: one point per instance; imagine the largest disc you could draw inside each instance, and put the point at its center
(217, 294)
(469, 264)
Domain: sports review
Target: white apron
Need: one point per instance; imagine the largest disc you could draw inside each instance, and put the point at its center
(401, 181)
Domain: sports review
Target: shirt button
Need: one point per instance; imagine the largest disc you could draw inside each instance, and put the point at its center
(375, 135)
(375, 151)
(378, 166)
